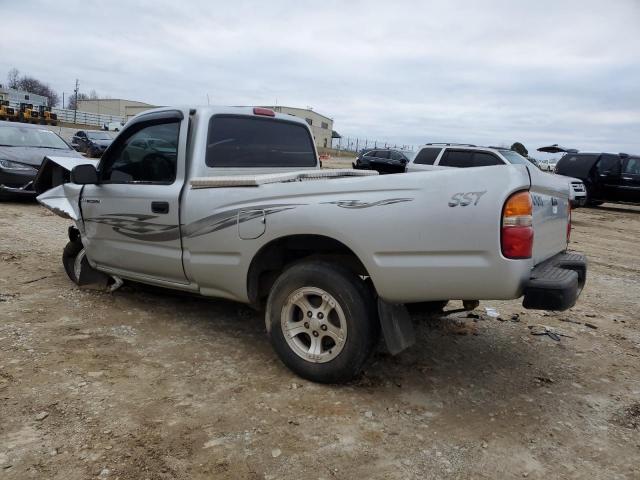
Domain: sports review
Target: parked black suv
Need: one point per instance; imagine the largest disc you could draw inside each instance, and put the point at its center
(385, 160)
(608, 177)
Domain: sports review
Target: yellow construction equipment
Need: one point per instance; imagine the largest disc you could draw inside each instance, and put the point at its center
(47, 117)
(7, 112)
(28, 114)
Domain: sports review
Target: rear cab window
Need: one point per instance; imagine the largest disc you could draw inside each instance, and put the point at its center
(244, 141)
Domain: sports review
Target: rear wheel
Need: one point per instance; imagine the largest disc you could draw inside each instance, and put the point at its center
(322, 321)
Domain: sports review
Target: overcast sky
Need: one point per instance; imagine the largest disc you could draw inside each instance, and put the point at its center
(487, 72)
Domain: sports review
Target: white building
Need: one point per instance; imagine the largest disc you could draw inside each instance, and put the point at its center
(16, 97)
(321, 126)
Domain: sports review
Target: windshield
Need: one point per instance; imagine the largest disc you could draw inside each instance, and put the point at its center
(98, 135)
(514, 158)
(19, 136)
(410, 155)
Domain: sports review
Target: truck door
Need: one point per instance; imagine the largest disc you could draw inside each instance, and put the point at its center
(608, 171)
(630, 180)
(131, 217)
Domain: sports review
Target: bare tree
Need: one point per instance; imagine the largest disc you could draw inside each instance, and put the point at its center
(32, 85)
(71, 104)
(13, 77)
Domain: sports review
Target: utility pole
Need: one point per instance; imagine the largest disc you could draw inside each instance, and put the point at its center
(75, 113)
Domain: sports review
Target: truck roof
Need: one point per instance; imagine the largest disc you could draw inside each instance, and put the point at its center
(209, 110)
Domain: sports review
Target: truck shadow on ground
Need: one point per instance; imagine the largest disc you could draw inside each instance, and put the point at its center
(449, 353)
(616, 207)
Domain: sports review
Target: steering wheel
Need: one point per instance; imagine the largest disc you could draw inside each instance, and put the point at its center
(158, 168)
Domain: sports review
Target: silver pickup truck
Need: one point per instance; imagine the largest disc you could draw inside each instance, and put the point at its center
(231, 203)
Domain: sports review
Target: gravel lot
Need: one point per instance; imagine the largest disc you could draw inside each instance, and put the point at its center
(144, 383)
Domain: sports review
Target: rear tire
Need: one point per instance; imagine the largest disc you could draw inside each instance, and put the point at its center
(322, 321)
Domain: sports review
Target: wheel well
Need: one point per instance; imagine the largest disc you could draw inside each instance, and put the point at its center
(275, 256)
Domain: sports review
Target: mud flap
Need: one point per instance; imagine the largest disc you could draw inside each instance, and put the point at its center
(396, 326)
(92, 279)
(86, 275)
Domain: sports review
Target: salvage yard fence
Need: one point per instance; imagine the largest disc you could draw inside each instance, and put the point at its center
(85, 118)
(353, 144)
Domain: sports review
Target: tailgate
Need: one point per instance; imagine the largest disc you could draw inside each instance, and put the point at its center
(550, 197)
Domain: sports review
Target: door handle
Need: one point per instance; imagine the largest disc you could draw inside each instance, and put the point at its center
(160, 207)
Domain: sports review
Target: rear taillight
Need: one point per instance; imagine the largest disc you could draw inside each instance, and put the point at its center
(517, 226)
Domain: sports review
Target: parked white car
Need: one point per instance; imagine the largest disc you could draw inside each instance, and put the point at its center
(547, 165)
(114, 126)
(231, 202)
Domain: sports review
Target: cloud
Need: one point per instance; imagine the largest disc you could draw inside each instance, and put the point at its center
(405, 72)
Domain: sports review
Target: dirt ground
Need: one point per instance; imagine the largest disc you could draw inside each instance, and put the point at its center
(146, 384)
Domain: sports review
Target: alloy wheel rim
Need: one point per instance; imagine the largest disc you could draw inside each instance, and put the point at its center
(314, 324)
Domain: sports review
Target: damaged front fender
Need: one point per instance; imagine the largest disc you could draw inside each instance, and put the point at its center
(56, 192)
(63, 200)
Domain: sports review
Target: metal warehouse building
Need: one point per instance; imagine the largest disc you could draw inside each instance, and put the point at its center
(113, 106)
(321, 126)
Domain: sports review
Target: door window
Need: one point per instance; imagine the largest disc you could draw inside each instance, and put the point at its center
(383, 154)
(396, 156)
(148, 156)
(632, 167)
(609, 164)
(456, 158)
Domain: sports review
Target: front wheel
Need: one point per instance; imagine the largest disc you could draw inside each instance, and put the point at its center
(322, 321)
(73, 257)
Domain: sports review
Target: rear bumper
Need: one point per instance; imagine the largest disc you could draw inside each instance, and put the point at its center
(556, 283)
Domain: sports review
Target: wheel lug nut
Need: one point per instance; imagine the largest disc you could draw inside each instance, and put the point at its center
(309, 314)
(306, 324)
(315, 334)
(320, 315)
(323, 328)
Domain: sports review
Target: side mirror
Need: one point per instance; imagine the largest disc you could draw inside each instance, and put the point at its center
(84, 175)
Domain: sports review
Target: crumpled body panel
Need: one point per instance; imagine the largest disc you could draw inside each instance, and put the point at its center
(63, 200)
